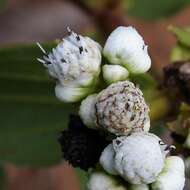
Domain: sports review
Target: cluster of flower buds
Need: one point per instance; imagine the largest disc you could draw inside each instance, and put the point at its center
(76, 62)
(134, 158)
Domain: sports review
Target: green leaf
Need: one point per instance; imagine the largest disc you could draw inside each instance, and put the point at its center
(29, 149)
(2, 178)
(30, 115)
(152, 10)
(182, 35)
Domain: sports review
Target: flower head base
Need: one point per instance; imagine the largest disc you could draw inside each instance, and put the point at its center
(126, 47)
(75, 62)
(121, 109)
(138, 158)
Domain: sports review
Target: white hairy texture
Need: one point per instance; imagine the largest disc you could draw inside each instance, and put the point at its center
(107, 160)
(139, 157)
(126, 47)
(172, 176)
(121, 109)
(75, 61)
(87, 110)
(114, 73)
(102, 181)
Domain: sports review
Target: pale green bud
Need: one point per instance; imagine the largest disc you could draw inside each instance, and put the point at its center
(114, 73)
(70, 94)
(126, 47)
(87, 111)
(102, 181)
(172, 176)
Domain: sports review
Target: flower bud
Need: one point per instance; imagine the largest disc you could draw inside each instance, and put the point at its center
(107, 160)
(87, 111)
(172, 176)
(121, 109)
(114, 73)
(74, 63)
(102, 181)
(138, 158)
(70, 94)
(126, 47)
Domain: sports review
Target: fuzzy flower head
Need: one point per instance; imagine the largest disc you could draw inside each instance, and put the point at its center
(126, 47)
(75, 61)
(121, 109)
(75, 64)
(138, 158)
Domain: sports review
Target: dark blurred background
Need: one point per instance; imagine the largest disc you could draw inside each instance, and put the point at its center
(29, 21)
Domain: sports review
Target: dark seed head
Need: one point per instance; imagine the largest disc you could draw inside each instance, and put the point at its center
(80, 145)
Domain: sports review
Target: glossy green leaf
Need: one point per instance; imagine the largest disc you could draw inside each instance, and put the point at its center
(29, 149)
(30, 115)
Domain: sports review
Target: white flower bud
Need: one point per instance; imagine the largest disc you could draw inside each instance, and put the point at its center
(87, 111)
(172, 176)
(70, 94)
(102, 181)
(114, 73)
(126, 47)
(75, 62)
(139, 187)
(107, 160)
(121, 109)
(138, 158)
